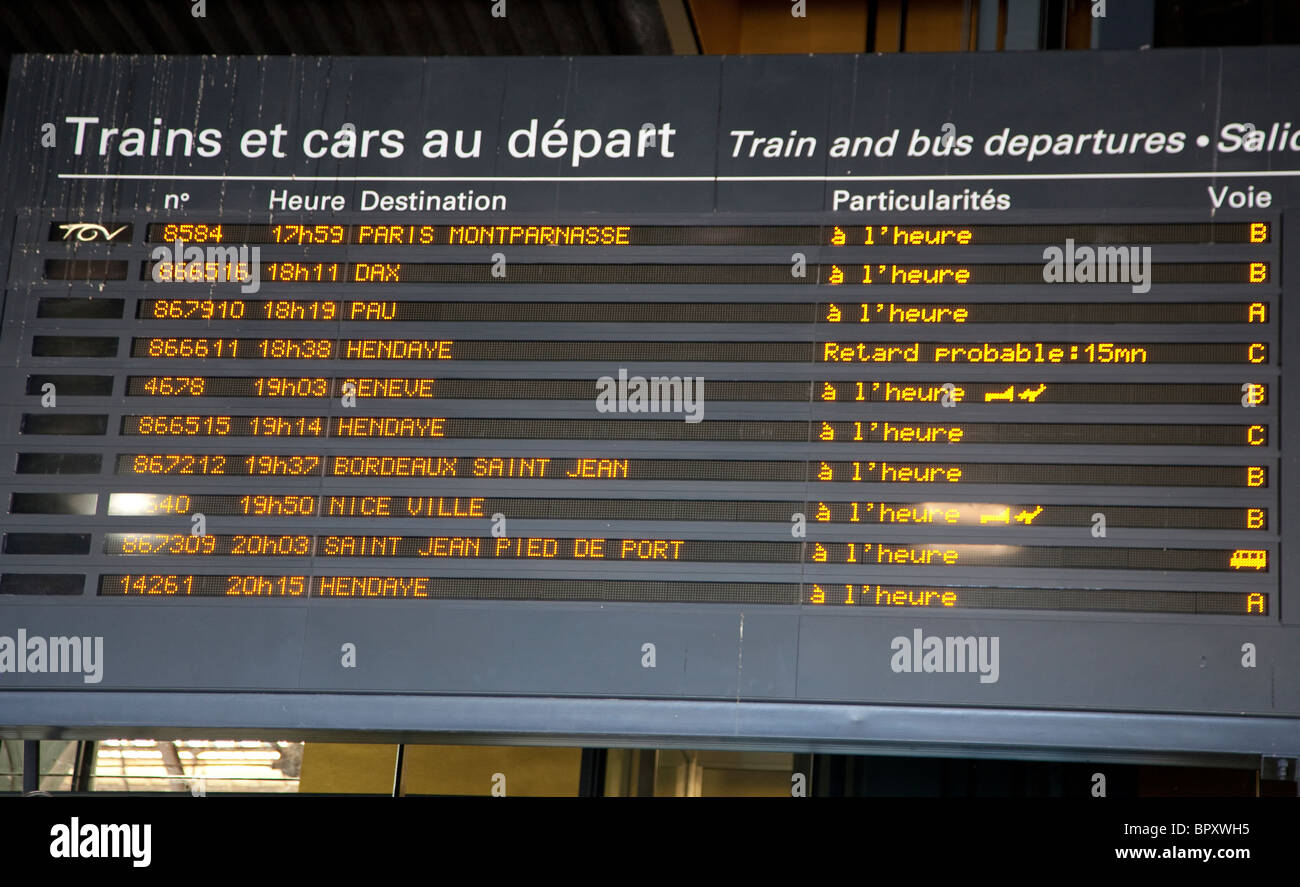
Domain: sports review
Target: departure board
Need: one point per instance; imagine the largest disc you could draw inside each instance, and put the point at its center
(788, 402)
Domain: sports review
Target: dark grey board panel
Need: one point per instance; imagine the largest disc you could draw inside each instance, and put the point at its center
(647, 581)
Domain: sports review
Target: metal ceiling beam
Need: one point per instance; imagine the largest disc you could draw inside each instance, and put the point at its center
(677, 22)
(124, 15)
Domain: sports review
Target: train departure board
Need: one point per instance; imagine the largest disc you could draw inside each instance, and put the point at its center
(931, 401)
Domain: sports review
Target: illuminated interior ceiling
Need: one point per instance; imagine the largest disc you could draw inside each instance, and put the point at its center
(611, 27)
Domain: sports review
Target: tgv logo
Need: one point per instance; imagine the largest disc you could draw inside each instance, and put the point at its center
(89, 231)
